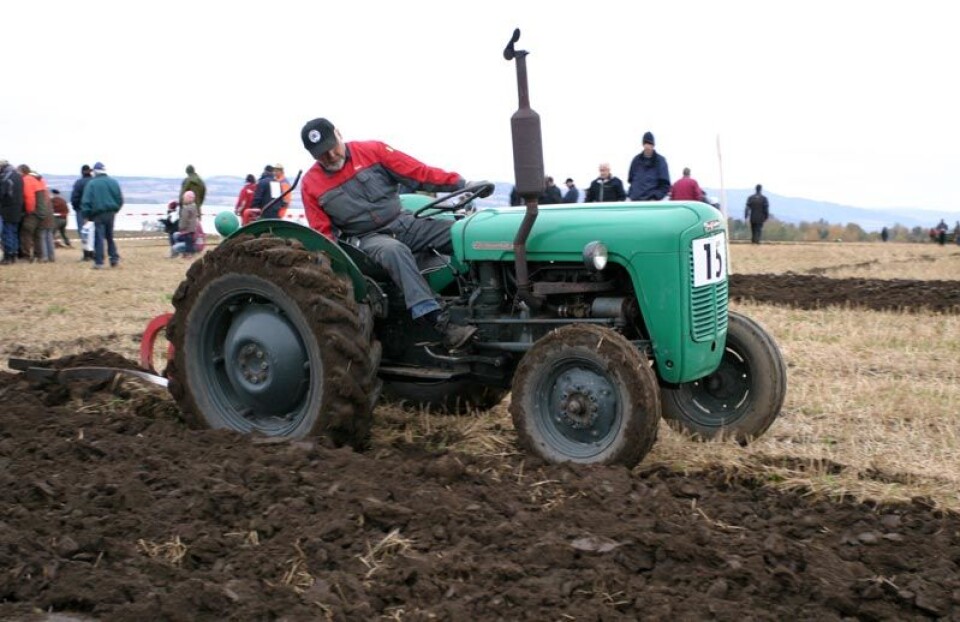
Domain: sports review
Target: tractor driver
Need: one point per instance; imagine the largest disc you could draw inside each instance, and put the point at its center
(352, 192)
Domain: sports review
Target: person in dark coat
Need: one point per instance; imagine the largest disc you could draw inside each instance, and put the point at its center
(572, 195)
(649, 176)
(263, 193)
(551, 194)
(757, 212)
(75, 199)
(11, 211)
(606, 187)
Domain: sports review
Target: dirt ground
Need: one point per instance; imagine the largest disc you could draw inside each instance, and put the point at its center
(113, 509)
(811, 291)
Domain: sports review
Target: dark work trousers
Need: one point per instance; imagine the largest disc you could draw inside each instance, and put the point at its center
(28, 235)
(394, 246)
(104, 237)
(756, 230)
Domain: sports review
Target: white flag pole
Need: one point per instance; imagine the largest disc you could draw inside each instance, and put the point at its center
(723, 206)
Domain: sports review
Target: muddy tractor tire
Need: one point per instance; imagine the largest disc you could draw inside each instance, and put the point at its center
(268, 339)
(585, 394)
(456, 397)
(742, 398)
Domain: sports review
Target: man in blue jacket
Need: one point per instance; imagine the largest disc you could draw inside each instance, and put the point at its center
(102, 199)
(649, 177)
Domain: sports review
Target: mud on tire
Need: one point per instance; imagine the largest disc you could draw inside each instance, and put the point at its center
(268, 339)
(585, 394)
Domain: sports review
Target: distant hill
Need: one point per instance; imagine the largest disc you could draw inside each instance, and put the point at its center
(223, 190)
(795, 210)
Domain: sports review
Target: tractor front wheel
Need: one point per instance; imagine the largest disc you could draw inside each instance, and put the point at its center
(268, 339)
(585, 394)
(742, 398)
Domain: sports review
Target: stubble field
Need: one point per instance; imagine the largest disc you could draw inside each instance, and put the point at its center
(112, 509)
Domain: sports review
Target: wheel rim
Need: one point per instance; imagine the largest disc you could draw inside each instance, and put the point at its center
(580, 413)
(254, 360)
(720, 399)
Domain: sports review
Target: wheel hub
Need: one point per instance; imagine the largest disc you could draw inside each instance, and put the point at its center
(578, 408)
(265, 360)
(581, 408)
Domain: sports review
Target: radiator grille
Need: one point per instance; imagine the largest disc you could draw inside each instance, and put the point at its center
(708, 309)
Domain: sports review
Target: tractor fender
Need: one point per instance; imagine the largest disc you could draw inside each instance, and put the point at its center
(312, 240)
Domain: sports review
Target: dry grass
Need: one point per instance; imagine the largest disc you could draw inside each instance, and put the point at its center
(172, 552)
(846, 260)
(872, 402)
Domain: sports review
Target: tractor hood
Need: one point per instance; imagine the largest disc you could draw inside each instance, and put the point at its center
(561, 231)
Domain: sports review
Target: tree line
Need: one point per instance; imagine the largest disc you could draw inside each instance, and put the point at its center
(822, 231)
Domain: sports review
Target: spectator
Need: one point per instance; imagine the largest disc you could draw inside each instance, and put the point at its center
(648, 176)
(245, 201)
(686, 189)
(572, 195)
(360, 200)
(30, 225)
(193, 182)
(11, 210)
(185, 237)
(605, 187)
(46, 225)
(941, 230)
(102, 199)
(956, 234)
(757, 212)
(884, 234)
(515, 198)
(75, 198)
(551, 194)
(264, 192)
(278, 187)
(171, 223)
(61, 211)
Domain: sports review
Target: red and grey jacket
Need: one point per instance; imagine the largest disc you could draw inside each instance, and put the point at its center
(362, 197)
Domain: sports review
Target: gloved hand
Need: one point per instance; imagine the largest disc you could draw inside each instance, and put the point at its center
(484, 192)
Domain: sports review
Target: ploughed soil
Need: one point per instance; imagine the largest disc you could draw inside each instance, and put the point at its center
(113, 509)
(813, 291)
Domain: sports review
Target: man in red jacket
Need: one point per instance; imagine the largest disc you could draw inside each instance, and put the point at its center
(352, 192)
(686, 189)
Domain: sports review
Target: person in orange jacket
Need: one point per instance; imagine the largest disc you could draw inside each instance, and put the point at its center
(31, 221)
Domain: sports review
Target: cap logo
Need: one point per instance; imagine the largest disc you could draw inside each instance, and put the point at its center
(314, 136)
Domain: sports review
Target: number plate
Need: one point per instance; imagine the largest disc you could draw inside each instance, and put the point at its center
(709, 260)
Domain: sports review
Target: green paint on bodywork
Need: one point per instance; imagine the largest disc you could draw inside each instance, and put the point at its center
(651, 240)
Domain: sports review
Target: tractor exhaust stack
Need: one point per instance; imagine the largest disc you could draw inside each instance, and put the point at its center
(527, 167)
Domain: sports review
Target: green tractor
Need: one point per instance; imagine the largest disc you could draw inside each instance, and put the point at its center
(598, 320)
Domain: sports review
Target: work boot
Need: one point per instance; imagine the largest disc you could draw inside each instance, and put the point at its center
(455, 336)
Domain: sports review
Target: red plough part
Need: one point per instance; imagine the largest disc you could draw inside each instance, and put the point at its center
(149, 340)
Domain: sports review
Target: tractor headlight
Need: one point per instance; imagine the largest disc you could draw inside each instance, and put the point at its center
(595, 256)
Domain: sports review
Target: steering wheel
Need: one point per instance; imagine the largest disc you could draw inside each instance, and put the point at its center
(456, 200)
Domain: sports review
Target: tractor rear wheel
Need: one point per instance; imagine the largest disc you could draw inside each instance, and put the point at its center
(742, 398)
(585, 394)
(268, 339)
(453, 396)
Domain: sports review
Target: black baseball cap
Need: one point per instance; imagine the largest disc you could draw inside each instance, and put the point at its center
(318, 137)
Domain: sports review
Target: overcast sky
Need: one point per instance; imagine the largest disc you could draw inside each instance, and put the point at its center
(851, 102)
